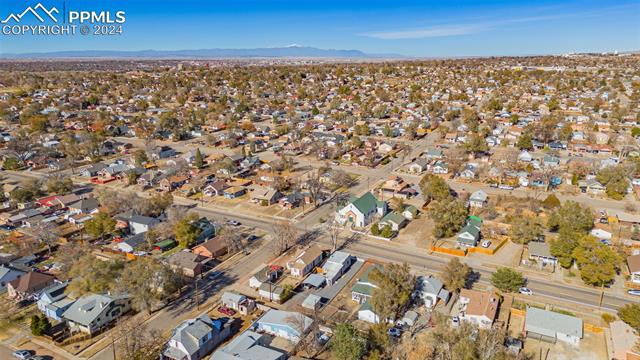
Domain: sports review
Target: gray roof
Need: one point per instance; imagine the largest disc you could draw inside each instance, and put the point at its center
(540, 249)
(247, 346)
(185, 259)
(55, 292)
(315, 280)
(339, 257)
(4, 270)
(549, 323)
(311, 301)
(430, 285)
(144, 220)
(89, 307)
(478, 196)
(191, 332)
(86, 205)
(283, 318)
(231, 297)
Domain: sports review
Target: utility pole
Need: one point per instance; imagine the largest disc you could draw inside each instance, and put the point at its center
(601, 295)
(196, 295)
(113, 343)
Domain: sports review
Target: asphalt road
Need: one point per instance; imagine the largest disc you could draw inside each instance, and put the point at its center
(424, 261)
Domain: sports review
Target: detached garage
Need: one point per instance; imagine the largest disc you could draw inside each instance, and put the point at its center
(552, 326)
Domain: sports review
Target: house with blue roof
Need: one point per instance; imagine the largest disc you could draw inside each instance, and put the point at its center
(289, 325)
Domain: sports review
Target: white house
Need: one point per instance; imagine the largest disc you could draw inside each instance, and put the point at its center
(478, 307)
(91, 313)
(478, 199)
(525, 156)
(633, 262)
(337, 264)
(195, 338)
(430, 289)
(366, 313)
(359, 212)
(305, 261)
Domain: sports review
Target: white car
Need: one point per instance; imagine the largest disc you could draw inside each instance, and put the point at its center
(634, 292)
(486, 244)
(22, 354)
(455, 321)
(525, 291)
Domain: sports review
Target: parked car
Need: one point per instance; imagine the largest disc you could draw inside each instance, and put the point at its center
(525, 291)
(395, 332)
(225, 310)
(233, 223)
(214, 275)
(322, 338)
(22, 354)
(455, 321)
(634, 292)
(486, 244)
(505, 187)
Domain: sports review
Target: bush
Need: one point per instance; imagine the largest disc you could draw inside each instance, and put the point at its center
(551, 202)
(608, 318)
(375, 229)
(40, 325)
(287, 292)
(12, 163)
(386, 232)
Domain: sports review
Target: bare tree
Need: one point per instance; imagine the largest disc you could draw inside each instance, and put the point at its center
(231, 239)
(139, 343)
(21, 147)
(307, 328)
(46, 233)
(284, 236)
(315, 186)
(342, 179)
(333, 229)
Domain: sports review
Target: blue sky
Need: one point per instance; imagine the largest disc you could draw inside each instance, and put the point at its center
(415, 28)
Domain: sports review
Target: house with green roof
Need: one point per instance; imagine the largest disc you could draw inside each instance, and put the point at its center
(362, 290)
(361, 211)
(395, 220)
(469, 235)
(366, 313)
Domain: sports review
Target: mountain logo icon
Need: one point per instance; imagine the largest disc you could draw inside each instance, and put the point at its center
(35, 11)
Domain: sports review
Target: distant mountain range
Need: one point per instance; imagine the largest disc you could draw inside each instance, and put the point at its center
(294, 51)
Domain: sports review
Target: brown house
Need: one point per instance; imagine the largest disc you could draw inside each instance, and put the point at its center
(187, 263)
(27, 286)
(173, 182)
(212, 248)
